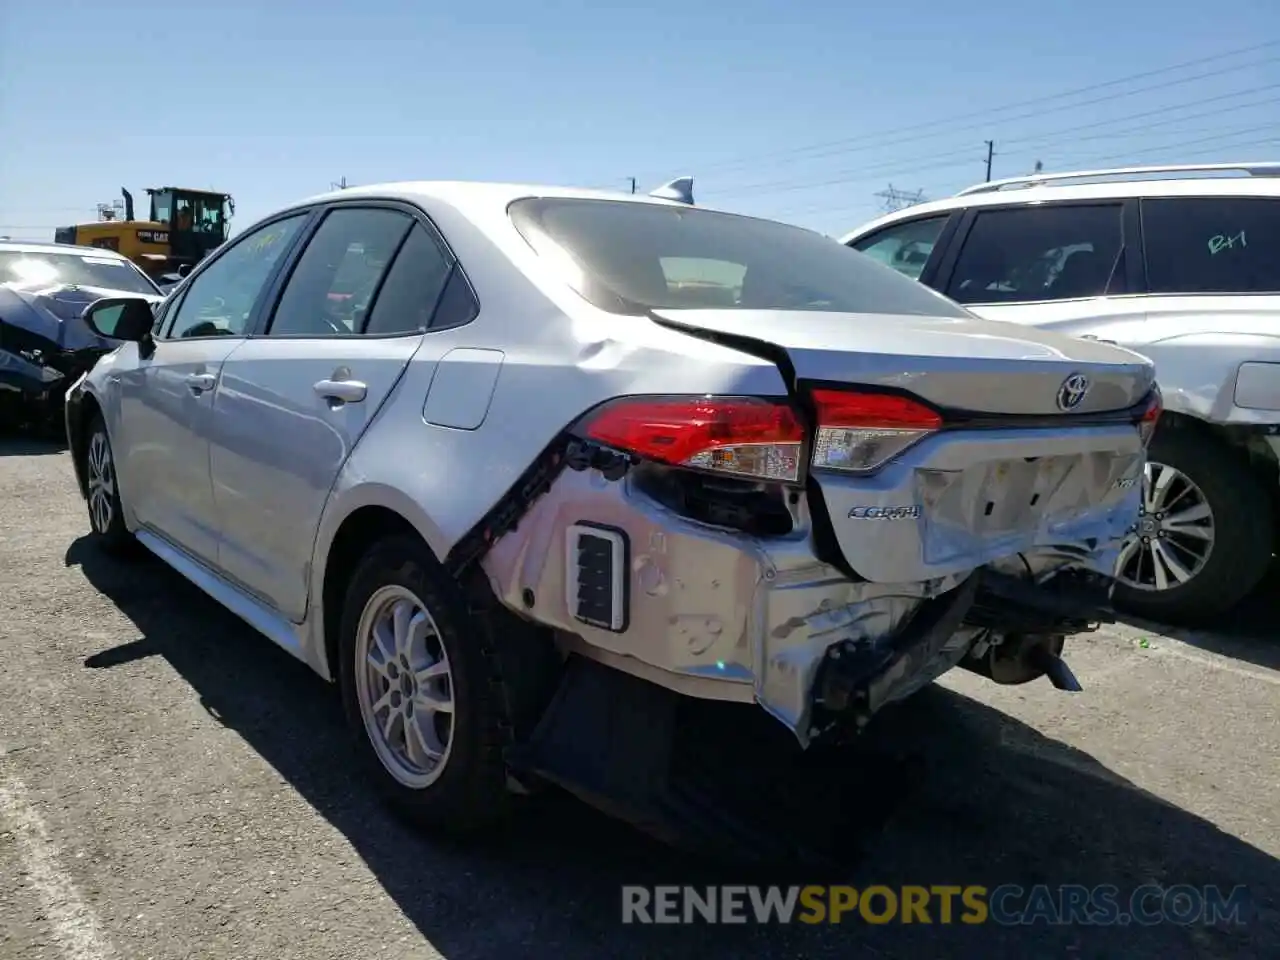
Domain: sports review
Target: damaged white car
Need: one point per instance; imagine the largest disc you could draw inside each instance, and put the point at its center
(519, 468)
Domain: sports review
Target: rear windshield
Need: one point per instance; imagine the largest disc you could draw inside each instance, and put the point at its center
(86, 270)
(632, 257)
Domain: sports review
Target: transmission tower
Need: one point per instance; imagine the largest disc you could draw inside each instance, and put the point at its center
(895, 199)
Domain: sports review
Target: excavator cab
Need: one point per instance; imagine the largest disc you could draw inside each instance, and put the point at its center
(196, 220)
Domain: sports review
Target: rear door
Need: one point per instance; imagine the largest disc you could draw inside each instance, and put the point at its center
(1063, 266)
(293, 402)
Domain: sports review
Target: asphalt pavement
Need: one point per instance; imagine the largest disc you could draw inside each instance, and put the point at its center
(173, 786)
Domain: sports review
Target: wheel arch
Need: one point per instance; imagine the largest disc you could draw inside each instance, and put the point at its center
(86, 408)
(371, 514)
(1248, 441)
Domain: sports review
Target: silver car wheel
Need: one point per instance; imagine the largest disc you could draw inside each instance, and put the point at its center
(1174, 535)
(102, 482)
(404, 686)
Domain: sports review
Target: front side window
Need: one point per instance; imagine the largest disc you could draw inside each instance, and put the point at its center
(629, 257)
(339, 272)
(183, 214)
(1035, 253)
(86, 270)
(219, 301)
(1212, 244)
(209, 215)
(905, 246)
(162, 206)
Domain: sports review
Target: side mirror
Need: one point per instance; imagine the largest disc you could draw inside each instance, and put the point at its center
(184, 270)
(120, 318)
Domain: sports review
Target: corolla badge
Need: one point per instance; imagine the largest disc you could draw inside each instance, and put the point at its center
(912, 512)
(1071, 393)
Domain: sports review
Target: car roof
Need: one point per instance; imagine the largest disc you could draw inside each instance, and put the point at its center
(24, 246)
(474, 194)
(1047, 190)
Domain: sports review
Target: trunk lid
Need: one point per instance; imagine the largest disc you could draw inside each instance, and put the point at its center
(966, 496)
(963, 364)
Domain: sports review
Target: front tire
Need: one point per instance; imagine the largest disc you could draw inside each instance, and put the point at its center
(102, 488)
(1204, 538)
(419, 689)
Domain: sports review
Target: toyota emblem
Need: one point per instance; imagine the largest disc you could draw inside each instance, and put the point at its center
(1072, 391)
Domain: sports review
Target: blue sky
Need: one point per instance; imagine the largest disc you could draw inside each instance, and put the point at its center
(801, 111)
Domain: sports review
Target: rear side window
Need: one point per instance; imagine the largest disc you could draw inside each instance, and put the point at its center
(1029, 254)
(1212, 245)
(905, 246)
(408, 298)
(629, 257)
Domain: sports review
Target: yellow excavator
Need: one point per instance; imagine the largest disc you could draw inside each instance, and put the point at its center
(182, 226)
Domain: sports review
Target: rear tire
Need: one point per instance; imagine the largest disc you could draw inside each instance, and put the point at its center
(1235, 522)
(421, 690)
(106, 513)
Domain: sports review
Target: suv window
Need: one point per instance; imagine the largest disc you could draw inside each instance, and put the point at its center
(1212, 245)
(338, 274)
(1028, 254)
(904, 246)
(219, 301)
(407, 301)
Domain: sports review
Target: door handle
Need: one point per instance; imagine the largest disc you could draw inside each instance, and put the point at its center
(199, 382)
(343, 391)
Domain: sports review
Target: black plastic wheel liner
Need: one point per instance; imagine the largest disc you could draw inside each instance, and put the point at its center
(722, 780)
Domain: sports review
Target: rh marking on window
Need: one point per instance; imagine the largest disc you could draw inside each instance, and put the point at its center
(1223, 242)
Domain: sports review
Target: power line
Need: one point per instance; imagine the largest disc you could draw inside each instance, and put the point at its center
(893, 167)
(1077, 163)
(1159, 123)
(875, 140)
(1217, 137)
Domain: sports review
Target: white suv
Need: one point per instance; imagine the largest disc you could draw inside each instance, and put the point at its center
(1179, 263)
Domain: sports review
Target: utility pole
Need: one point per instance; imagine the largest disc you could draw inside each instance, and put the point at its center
(338, 184)
(991, 152)
(633, 184)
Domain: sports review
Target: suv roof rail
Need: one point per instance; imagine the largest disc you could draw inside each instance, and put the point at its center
(1126, 173)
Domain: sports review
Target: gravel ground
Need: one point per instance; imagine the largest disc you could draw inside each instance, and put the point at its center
(173, 786)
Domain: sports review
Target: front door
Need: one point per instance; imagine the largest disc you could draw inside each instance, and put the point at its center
(293, 404)
(166, 399)
(162, 456)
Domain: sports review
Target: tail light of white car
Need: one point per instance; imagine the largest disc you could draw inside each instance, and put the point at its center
(1150, 416)
(763, 439)
(744, 437)
(754, 438)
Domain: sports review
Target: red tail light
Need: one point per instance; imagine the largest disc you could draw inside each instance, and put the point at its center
(1150, 416)
(743, 436)
(860, 432)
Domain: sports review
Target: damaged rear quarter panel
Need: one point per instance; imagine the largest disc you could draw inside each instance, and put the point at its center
(712, 612)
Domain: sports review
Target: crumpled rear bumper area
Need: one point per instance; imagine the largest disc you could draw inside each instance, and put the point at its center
(719, 615)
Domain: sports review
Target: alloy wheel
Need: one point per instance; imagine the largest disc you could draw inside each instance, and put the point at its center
(1174, 535)
(404, 686)
(102, 482)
